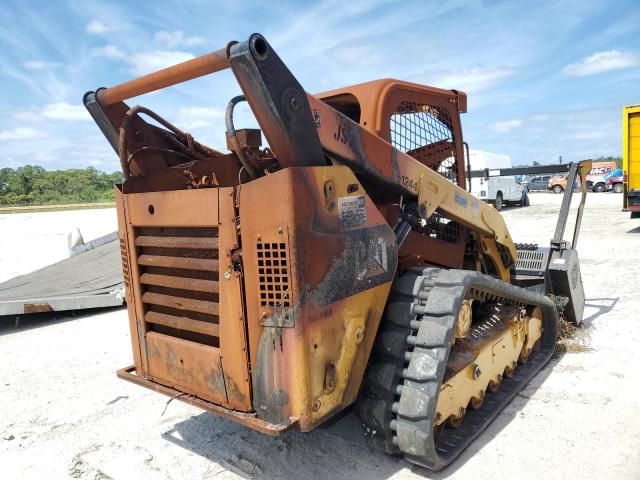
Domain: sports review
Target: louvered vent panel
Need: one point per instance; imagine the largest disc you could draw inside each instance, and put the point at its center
(532, 261)
(124, 256)
(179, 281)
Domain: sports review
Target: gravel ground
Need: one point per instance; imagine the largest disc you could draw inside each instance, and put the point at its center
(66, 415)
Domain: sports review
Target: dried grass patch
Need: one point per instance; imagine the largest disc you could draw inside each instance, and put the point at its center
(571, 338)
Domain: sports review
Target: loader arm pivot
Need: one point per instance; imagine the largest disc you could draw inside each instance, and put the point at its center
(298, 126)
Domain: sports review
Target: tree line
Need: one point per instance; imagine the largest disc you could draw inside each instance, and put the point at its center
(33, 185)
(618, 160)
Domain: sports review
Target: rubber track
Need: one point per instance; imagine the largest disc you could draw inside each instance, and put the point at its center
(398, 400)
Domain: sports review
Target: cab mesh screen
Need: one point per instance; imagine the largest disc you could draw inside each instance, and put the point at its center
(425, 133)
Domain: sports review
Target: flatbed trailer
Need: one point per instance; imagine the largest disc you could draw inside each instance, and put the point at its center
(91, 279)
(533, 170)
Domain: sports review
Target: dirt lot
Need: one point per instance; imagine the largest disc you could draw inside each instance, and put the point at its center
(65, 414)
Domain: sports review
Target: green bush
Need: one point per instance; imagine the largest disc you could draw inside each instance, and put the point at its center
(33, 185)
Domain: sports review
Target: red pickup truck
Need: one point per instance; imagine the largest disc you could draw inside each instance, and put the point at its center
(614, 180)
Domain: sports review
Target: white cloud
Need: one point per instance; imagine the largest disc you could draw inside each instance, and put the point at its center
(142, 63)
(65, 111)
(190, 118)
(54, 111)
(40, 65)
(507, 125)
(469, 80)
(541, 117)
(21, 133)
(352, 55)
(574, 134)
(323, 30)
(76, 150)
(146, 62)
(176, 38)
(588, 134)
(48, 85)
(109, 51)
(603, 62)
(96, 27)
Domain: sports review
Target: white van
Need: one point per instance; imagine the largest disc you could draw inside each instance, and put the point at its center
(496, 190)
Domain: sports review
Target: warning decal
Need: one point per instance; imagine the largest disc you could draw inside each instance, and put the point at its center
(373, 259)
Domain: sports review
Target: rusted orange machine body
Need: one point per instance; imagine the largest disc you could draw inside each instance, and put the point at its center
(277, 286)
(302, 308)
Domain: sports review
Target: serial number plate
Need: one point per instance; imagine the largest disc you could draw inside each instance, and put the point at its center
(352, 212)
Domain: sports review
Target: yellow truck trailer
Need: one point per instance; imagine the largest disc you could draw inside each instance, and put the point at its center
(631, 159)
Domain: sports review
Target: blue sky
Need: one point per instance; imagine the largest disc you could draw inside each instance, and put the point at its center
(544, 78)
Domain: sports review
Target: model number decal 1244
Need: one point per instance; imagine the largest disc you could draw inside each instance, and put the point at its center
(409, 183)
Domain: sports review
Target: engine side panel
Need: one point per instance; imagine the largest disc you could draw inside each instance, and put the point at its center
(183, 294)
(318, 262)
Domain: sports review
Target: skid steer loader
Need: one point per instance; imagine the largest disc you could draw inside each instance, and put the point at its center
(344, 264)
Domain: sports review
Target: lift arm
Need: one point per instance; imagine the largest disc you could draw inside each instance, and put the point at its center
(304, 131)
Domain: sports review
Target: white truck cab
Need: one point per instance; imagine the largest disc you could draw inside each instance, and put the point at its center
(496, 190)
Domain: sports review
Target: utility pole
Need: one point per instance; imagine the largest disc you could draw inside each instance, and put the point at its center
(560, 159)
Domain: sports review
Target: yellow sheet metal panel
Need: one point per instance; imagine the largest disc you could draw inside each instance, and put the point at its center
(634, 150)
(318, 262)
(631, 146)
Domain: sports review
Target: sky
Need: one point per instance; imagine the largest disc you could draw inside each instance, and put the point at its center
(543, 78)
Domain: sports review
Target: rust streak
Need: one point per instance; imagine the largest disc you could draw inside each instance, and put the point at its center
(177, 242)
(178, 262)
(182, 283)
(182, 323)
(181, 303)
